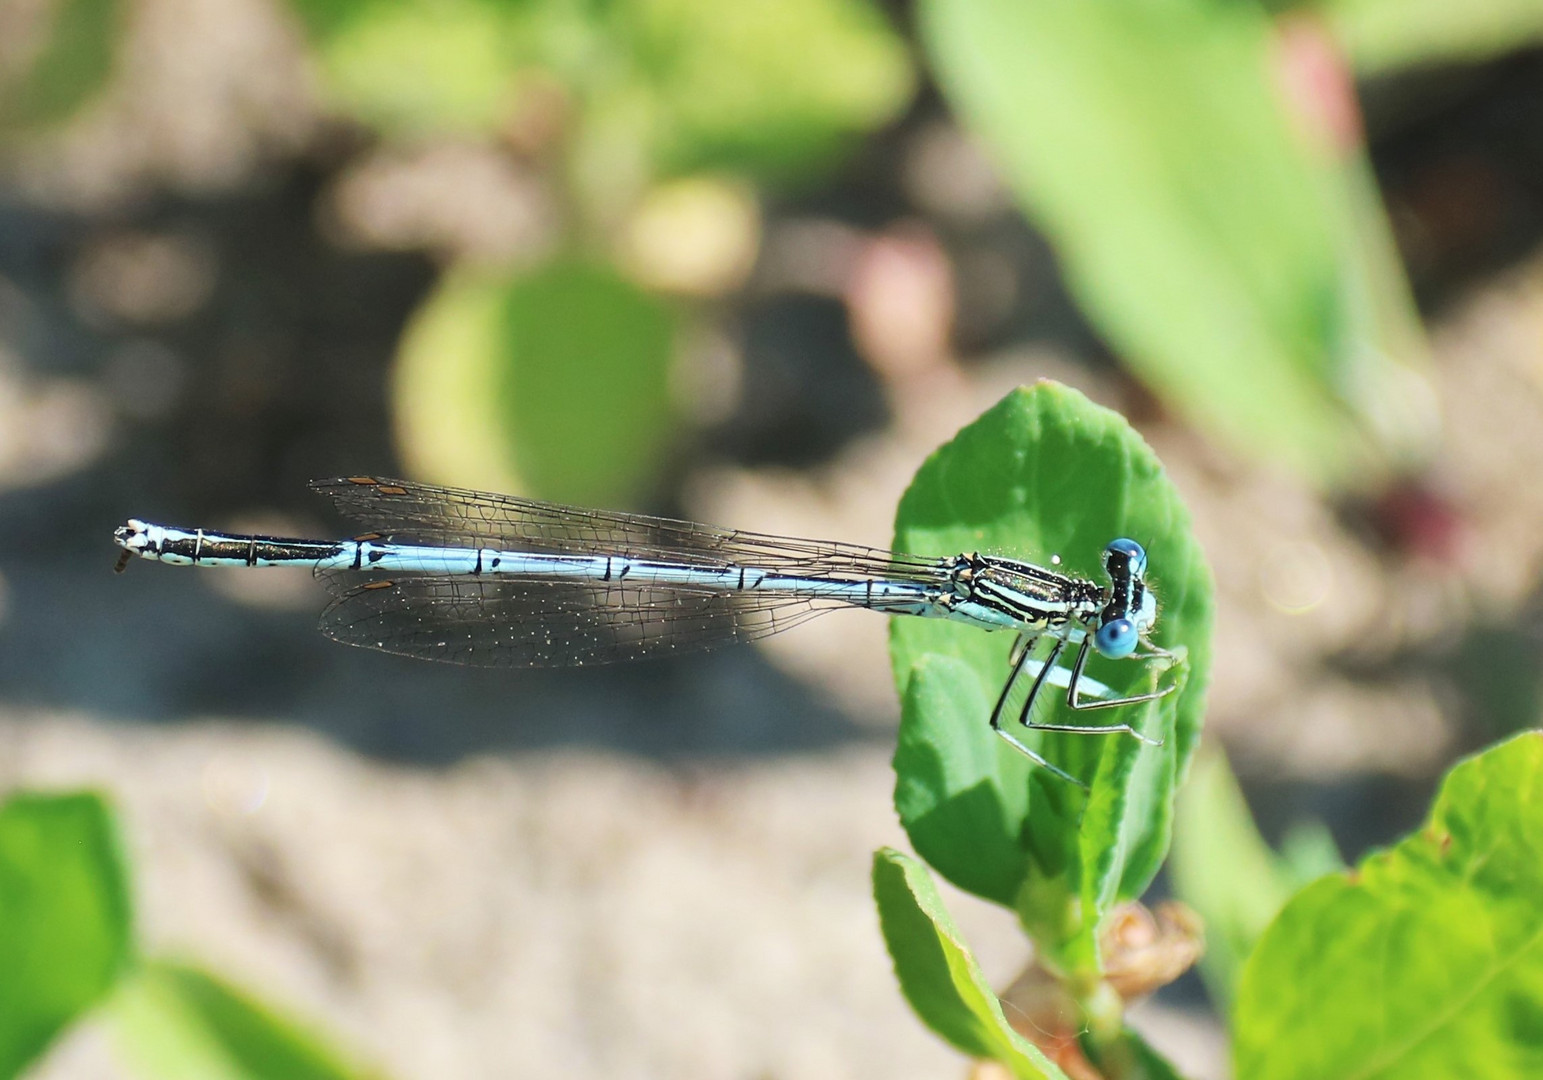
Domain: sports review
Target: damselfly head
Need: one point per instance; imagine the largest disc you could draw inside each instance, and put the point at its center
(1132, 609)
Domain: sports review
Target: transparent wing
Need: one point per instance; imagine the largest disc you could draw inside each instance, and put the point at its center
(406, 512)
(518, 622)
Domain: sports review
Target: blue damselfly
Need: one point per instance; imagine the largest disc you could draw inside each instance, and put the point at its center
(493, 580)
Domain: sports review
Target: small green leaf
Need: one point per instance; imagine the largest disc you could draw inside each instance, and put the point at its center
(939, 976)
(179, 1023)
(1235, 268)
(1384, 35)
(65, 921)
(1044, 473)
(1424, 962)
(555, 383)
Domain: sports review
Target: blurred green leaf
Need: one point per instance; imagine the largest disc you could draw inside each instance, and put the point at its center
(64, 67)
(65, 921)
(585, 383)
(1045, 472)
(660, 86)
(937, 973)
(179, 1023)
(1424, 962)
(560, 377)
(1222, 868)
(1231, 263)
(1384, 35)
(413, 68)
(1307, 852)
(1131, 1057)
(766, 85)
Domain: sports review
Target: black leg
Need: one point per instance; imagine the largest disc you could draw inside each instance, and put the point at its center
(1025, 647)
(1073, 701)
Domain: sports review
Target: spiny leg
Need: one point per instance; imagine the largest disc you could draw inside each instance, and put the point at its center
(1024, 647)
(1074, 702)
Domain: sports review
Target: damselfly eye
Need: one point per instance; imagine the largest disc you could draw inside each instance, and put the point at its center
(1116, 638)
(1135, 555)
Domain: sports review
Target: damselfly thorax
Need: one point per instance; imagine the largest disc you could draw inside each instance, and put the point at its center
(494, 580)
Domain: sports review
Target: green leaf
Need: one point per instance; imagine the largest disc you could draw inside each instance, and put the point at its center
(962, 801)
(60, 73)
(1231, 264)
(1424, 962)
(555, 383)
(179, 1023)
(1044, 473)
(1384, 35)
(937, 973)
(65, 921)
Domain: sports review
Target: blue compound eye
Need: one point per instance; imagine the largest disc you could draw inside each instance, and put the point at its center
(1116, 638)
(1135, 554)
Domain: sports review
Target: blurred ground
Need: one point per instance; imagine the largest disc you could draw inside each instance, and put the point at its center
(658, 870)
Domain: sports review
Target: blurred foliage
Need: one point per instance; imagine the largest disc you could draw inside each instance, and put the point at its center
(772, 86)
(1242, 268)
(1424, 961)
(1046, 472)
(1223, 250)
(565, 370)
(56, 61)
(177, 1022)
(625, 96)
(1224, 870)
(67, 946)
(64, 918)
(1385, 35)
(588, 353)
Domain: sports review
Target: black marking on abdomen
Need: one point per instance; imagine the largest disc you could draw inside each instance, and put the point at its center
(477, 566)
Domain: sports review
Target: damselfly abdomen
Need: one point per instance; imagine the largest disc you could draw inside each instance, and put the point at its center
(493, 580)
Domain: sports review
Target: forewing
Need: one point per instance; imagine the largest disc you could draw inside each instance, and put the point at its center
(405, 512)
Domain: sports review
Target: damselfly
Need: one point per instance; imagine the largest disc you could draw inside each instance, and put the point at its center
(494, 580)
